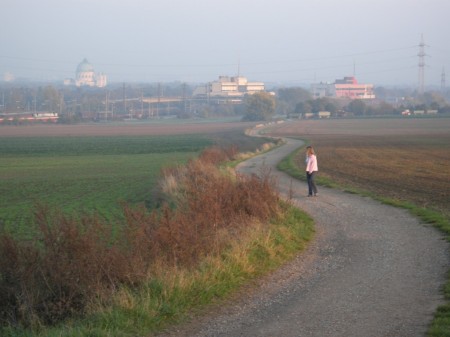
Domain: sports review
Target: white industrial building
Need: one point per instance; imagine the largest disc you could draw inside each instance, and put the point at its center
(229, 87)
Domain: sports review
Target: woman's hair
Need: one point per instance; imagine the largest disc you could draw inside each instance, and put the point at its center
(310, 150)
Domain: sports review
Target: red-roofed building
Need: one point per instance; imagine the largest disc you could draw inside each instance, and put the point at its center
(348, 87)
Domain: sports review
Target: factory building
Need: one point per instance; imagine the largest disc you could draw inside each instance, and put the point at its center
(348, 87)
(229, 87)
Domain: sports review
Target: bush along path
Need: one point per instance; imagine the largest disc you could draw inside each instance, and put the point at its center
(372, 270)
(214, 232)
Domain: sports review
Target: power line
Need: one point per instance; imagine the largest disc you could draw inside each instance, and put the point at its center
(204, 65)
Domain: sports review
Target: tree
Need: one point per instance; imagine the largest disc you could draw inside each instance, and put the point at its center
(259, 106)
(48, 98)
(331, 107)
(288, 98)
(384, 109)
(317, 105)
(303, 107)
(15, 101)
(357, 106)
(433, 98)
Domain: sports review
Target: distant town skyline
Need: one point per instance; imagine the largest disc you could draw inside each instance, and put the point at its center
(284, 41)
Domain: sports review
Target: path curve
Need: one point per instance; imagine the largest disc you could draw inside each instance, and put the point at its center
(371, 270)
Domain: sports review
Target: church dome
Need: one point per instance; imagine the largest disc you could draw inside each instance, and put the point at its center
(85, 66)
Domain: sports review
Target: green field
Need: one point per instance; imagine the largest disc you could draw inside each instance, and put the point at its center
(84, 174)
(93, 175)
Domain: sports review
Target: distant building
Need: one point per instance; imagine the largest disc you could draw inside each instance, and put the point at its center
(320, 115)
(86, 76)
(29, 117)
(323, 90)
(324, 114)
(229, 87)
(348, 87)
(8, 77)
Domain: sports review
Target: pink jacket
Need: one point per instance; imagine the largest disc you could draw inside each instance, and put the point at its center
(311, 165)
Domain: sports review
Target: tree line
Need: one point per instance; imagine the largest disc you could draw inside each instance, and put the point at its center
(76, 103)
(297, 102)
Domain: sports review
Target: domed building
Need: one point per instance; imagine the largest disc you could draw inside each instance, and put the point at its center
(86, 76)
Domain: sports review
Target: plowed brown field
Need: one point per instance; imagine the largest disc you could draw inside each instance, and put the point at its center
(406, 159)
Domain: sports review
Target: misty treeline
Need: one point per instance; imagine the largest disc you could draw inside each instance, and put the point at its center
(297, 101)
(124, 100)
(75, 263)
(76, 103)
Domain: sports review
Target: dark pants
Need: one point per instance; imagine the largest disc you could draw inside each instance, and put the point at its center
(311, 184)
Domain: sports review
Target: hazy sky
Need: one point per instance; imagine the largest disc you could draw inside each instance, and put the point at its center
(282, 41)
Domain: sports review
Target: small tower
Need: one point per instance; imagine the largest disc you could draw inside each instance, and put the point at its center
(443, 80)
(421, 55)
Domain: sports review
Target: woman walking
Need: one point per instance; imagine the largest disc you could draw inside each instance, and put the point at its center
(311, 169)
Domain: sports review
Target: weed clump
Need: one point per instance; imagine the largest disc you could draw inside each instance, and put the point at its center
(74, 263)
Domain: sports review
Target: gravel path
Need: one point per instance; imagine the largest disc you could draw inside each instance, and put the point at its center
(371, 270)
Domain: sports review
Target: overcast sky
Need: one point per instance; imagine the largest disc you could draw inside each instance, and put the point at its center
(281, 41)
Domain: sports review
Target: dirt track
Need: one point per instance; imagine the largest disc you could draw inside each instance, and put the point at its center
(372, 270)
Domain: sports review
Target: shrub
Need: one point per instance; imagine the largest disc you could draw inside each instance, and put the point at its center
(61, 271)
(74, 262)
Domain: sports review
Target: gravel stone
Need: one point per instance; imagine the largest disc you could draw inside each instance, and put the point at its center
(371, 270)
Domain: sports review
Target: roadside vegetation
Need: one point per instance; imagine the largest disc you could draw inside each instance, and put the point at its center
(94, 173)
(84, 174)
(209, 231)
(407, 171)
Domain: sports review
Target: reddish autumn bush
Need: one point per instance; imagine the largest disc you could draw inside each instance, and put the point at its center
(217, 155)
(213, 208)
(74, 261)
(54, 276)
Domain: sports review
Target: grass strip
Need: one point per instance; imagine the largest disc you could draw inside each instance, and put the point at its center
(289, 165)
(440, 326)
(173, 294)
